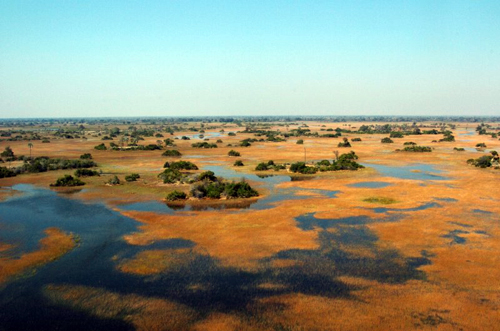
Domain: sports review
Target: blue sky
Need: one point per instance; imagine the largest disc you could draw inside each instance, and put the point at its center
(170, 58)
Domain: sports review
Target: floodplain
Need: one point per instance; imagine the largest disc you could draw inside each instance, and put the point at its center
(390, 237)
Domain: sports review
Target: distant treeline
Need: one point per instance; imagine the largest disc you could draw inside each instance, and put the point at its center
(238, 119)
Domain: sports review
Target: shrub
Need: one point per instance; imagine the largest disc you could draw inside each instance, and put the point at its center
(238, 163)
(219, 141)
(204, 144)
(7, 153)
(181, 165)
(68, 180)
(132, 177)
(387, 140)
(481, 145)
(239, 190)
(420, 149)
(170, 176)
(6, 172)
(380, 200)
(232, 134)
(114, 180)
(396, 134)
(410, 143)
(207, 176)
(300, 142)
(100, 147)
(245, 143)
(233, 153)
(262, 166)
(172, 153)
(45, 141)
(302, 168)
(86, 173)
(356, 139)
(458, 149)
(86, 156)
(176, 195)
(344, 143)
(448, 137)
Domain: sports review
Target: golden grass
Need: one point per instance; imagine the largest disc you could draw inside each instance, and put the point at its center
(54, 245)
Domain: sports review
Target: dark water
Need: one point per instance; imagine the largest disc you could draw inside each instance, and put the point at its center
(23, 219)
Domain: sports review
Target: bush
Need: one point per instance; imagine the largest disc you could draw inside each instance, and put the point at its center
(86, 156)
(356, 139)
(219, 141)
(481, 145)
(396, 134)
(262, 166)
(238, 163)
(176, 195)
(171, 176)
(420, 149)
(45, 141)
(387, 140)
(68, 180)
(100, 147)
(6, 172)
(239, 190)
(204, 144)
(301, 167)
(207, 176)
(7, 153)
(409, 143)
(86, 173)
(458, 149)
(114, 180)
(344, 143)
(232, 134)
(300, 142)
(233, 153)
(132, 177)
(181, 165)
(172, 153)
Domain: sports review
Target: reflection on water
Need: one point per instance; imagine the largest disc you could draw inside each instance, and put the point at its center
(199, 136)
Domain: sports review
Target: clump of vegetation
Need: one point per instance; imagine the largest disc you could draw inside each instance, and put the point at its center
(86, 156)
(263, 166)
(387, 140)
(43, 164)
(8, 154)
(219, 141)
(448, 137)
(86, 173)
(169, 142)
(409, 143)
(344, 143)
(45, 141)
(232, 134)
(114, 181)
(246, 142)
(302, 168)
(238, 163)
(172, 153)
(67, 180)
(459, 149)
(204, 144)
(101, 147)
(6, 172)
(356, 139)
(396, 134)
(415, 148)
(486, 161)
(233, 153)
(176, 195)
(300, 142)
(132, 177)
(343, 162)
(171, 176)
(481, 145)
(181, 165)
(216, 189)
(380, 200)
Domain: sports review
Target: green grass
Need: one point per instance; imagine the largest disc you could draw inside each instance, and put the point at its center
(380, 200)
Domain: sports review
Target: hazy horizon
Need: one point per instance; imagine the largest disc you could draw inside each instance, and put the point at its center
(220, 58)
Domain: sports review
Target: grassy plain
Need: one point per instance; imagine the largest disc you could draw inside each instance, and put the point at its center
(458, 233)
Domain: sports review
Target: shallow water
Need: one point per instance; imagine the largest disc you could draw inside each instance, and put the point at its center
(93, 264)
(370, 184)
(417, 171)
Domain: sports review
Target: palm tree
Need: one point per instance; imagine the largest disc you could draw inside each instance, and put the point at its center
(30, 145)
